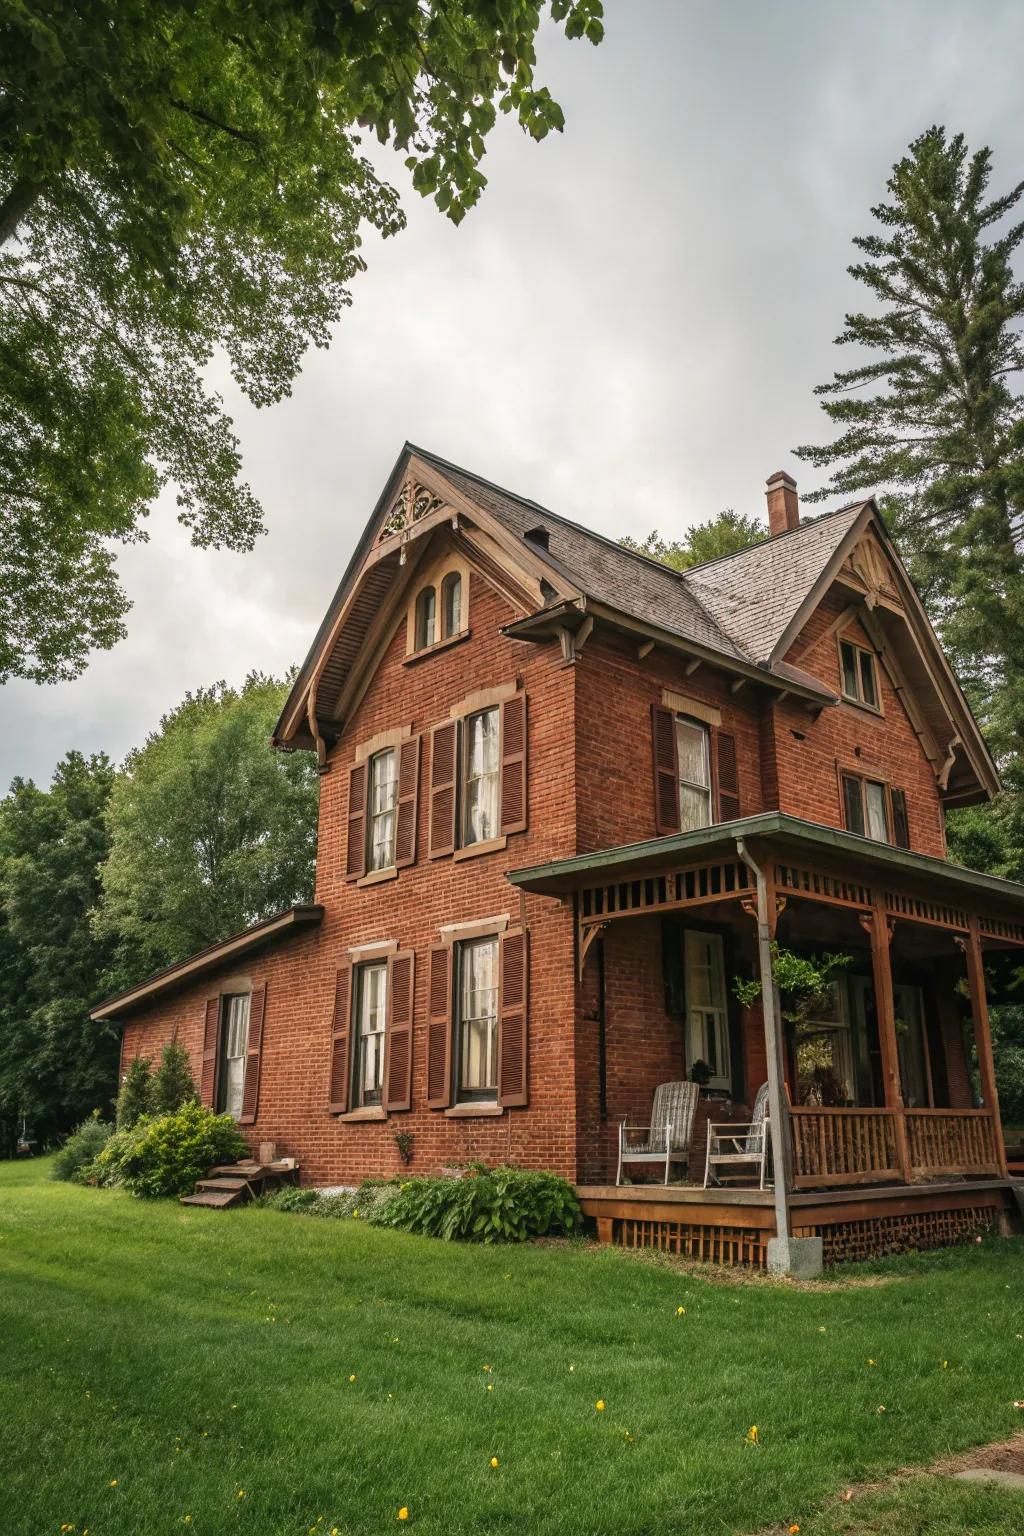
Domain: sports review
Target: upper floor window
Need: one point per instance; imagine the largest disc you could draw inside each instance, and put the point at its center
(477, 1023)
(860, 681)
(875, 809)
(370, 1022)
(383, 798)
(481, 766)
(426, 606)
(693, 751)
(451, 605)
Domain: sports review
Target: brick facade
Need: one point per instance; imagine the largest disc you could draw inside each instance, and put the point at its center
(594, 1058)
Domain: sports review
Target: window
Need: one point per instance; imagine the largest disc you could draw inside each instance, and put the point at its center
(234, 1045)
(874, 809)
(706, 1007)
(426, 605)
(482, 753)
(824, 1052)
(477, 1021)
(692, 743)
(370, 1023)
(383, 796)
(858, 671)
(451, 605)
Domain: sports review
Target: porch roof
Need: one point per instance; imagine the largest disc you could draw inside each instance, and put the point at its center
(779, 832)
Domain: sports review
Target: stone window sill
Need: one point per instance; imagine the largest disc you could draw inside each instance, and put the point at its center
(492, 845)
(438, 645)
(377, 877)
(473, 1111)
(371, 1112)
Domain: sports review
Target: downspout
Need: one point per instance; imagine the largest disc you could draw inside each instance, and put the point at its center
(778, 1119)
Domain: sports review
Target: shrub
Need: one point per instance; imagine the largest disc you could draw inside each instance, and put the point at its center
(172, 1083)
(364, 1203)
(135, 1097)
(291, 1198)
(165, 1154)
(489, 1206)
(84, 1144)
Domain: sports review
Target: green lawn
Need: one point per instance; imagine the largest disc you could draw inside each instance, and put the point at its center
(156, 1362)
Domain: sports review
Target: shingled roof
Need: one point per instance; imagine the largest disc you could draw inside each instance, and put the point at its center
(738, 605)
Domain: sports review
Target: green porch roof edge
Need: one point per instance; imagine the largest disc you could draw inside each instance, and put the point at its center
(561, 875)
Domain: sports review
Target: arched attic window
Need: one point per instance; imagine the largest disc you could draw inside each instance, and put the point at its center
(451, 605)
(426, 605)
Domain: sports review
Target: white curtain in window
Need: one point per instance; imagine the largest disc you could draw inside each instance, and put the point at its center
(877, 820)
(478, 1055)
(481, 813)
(370, 1026)
(706, 1004)
(236, 1044)
(694, 775)
(383, 791)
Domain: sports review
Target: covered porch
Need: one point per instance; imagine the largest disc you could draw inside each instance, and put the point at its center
(883, 1116)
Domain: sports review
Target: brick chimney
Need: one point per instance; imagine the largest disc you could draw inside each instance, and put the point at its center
(783, 503)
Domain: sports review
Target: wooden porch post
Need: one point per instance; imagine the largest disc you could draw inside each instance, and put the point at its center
(983, 1035)
(879, 929)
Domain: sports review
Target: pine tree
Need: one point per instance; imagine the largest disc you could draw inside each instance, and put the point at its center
(930, 417)
(136, 1096)
(172, 1082)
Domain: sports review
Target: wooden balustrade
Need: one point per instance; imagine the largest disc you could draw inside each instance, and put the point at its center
(951, 1141)
(861, 1146)
(843, 1146)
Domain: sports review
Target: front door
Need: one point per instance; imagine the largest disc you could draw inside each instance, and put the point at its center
(234, 1043)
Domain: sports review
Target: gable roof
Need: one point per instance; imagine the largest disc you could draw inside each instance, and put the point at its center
(739, 612)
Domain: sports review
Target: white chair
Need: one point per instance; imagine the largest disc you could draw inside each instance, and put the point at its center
(736, 1145)
(667, 1139)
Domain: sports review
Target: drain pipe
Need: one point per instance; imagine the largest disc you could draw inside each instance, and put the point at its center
(781, 1255)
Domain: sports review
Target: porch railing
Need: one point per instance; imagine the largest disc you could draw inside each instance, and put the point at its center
(862, 1146)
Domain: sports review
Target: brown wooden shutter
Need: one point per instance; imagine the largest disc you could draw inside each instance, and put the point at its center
(408, 801)
(439, 1028)
(340, 1033)
(900, 824)
(512, 1019)
(400, 1011)
(211, 1051)
(355, 849)
(666, 770)
(253, 1051)
(728, 777)
(513, 764)
(444, 760)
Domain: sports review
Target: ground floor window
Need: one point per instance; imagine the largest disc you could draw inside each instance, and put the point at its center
(370, 1029)
(824, 1052)
(234, 1034)
(476, 1026)
(706, 1005)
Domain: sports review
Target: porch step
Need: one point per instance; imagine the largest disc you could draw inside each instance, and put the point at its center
(215, 1197)
(222, 1184)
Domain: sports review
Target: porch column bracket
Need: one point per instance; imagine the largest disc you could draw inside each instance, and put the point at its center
(879, 927)
(749, 906)
(587, 936)
(971, 947)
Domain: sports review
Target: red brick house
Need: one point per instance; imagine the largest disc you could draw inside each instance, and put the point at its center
(567, 795)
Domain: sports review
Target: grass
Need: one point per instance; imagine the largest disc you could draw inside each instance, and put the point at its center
(158, 1362)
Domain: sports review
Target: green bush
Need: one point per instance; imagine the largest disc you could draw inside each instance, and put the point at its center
(486, 1206)
(82, 1147)
(364, 1203)
(172, 1083)
(165, 1154)
(135, 1097)
(290, 1198)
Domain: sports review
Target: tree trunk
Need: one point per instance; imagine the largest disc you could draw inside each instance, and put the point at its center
(16, 205)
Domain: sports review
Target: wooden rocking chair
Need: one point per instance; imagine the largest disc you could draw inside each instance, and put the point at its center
(667, 1139)
(738, 1145)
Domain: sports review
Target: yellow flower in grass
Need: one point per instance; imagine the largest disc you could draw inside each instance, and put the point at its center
(487, 1367)
(680, 1311)
(599, 1405)
(186, 1519)
(880, 1408)
(945, 1365)
(494, 1461)
(240, 1494)
(794, 1530)
(490, 1386)
(403, 1513)
(352, 1378)
(113, 1482)
(871, 1362)
(752, 1436)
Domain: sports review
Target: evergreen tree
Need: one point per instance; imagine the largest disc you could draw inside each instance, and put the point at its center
(173, 1084)
(931, 418)
(136, 1094)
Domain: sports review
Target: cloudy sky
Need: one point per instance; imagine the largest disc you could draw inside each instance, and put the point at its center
(628, 328)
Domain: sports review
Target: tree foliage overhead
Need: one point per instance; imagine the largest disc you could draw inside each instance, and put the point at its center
(722, 535)
(931, 412)
(210, 828)
(178, 180)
